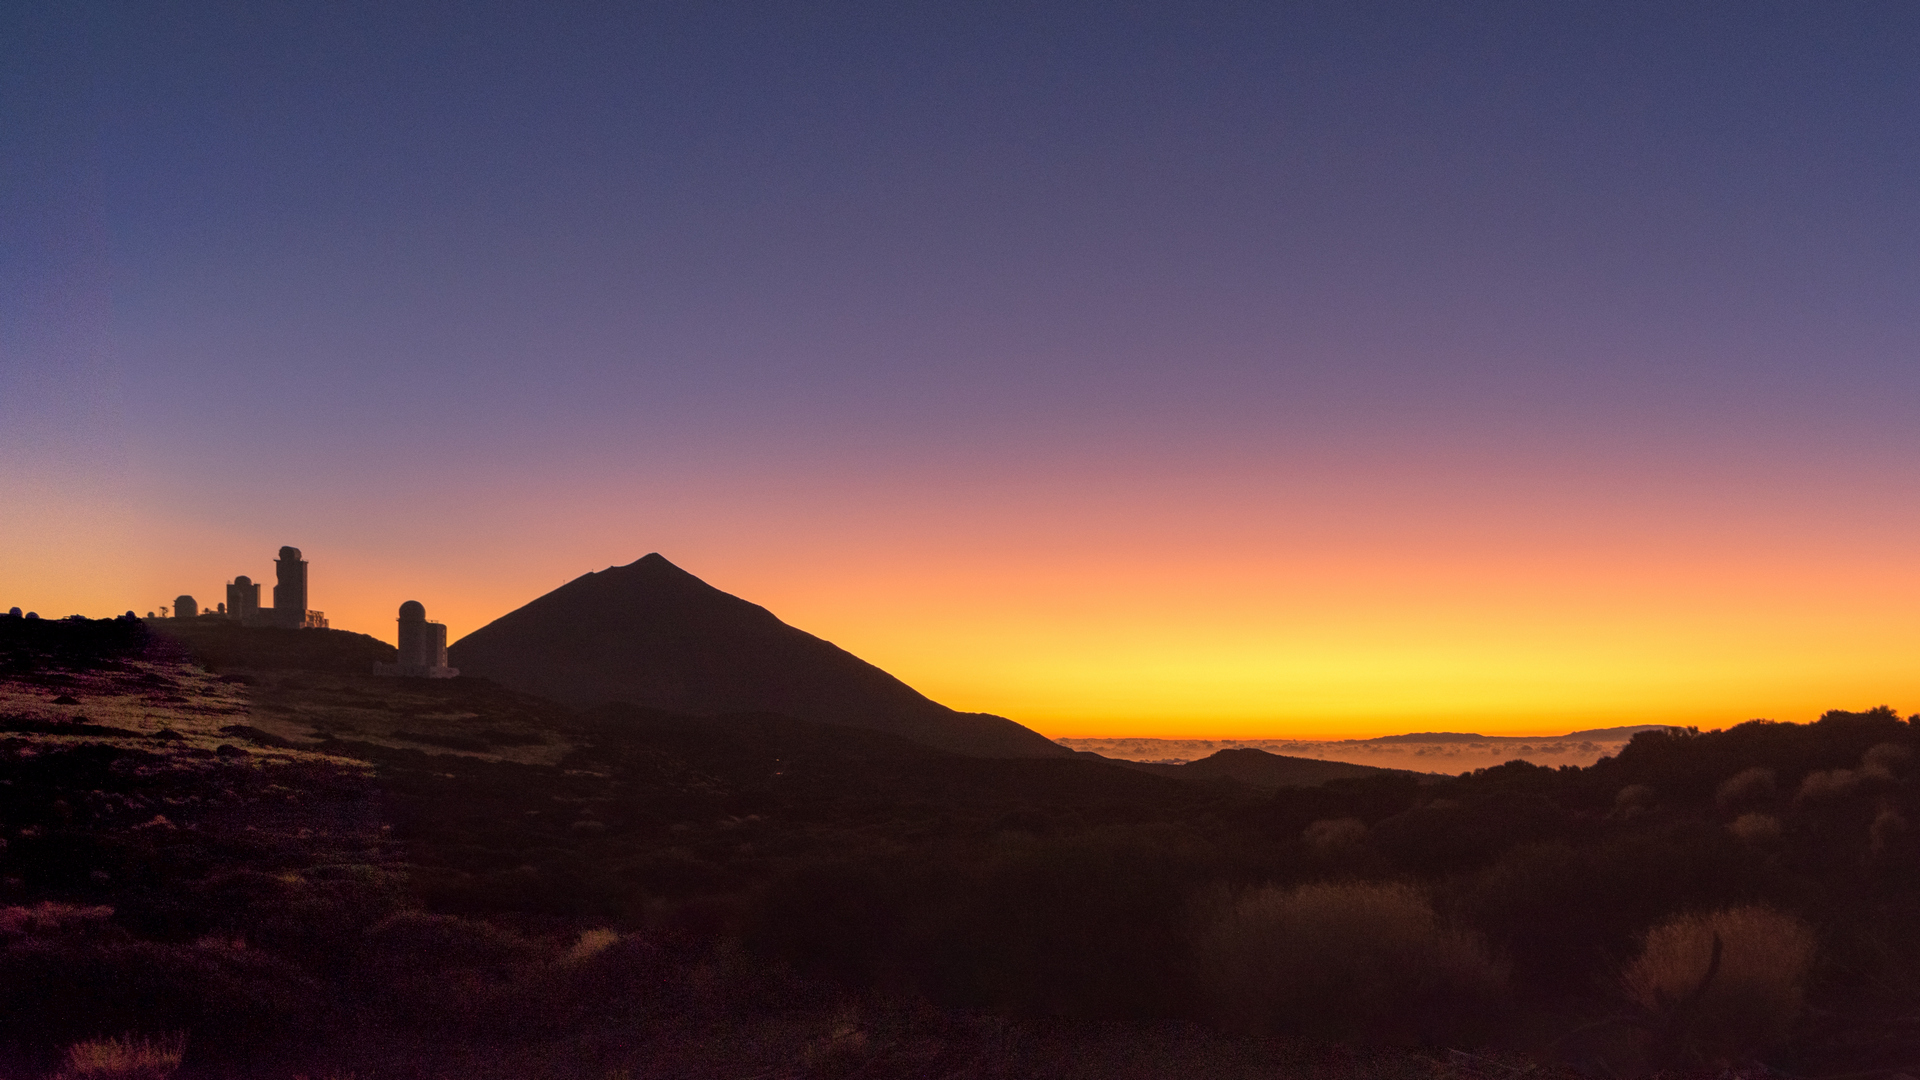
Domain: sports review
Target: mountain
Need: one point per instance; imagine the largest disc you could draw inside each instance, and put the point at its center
(651, 634)
(1261, 769)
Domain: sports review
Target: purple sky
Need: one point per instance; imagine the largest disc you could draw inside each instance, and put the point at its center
(406, 277)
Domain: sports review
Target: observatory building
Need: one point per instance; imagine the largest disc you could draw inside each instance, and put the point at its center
(289, 595)
(423, 647)
(243, 599)
(290, 591)
(289, 598)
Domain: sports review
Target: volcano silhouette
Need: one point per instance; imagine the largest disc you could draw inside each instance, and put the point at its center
(652, 634)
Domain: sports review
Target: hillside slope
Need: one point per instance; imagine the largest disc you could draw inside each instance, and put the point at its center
(653, 635)
(1261, 769)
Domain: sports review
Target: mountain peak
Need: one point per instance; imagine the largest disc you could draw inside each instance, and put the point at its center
(651, 564)
(654, 561)
(649, 633)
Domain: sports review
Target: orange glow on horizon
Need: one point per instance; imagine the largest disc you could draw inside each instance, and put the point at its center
(1327, 655)
(1177, 611)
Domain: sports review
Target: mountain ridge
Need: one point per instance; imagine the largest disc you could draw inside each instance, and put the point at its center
(1468, 736)
(1258, 768)
(651, 634)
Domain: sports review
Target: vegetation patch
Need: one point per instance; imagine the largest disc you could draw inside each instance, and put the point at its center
(452, 879)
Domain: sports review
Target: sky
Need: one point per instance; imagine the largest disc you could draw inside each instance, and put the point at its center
(1183, 369)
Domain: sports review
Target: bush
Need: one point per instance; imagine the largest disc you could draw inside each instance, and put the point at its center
(125, 1058)
(1334, 834)
(1746, 1005)
(1886, 760)
(1633, 800)
(51, 917)
(1756, 829)
(1085, 925)
(1745, 788)
(1887, 836)
(1555, 910)
(591, 944)
(69, 974)
(1349, 962)
(428, 970)
(1827, 784)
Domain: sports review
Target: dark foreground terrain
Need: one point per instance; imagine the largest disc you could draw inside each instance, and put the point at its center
(237, 841)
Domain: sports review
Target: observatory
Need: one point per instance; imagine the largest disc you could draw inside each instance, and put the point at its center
(289, 598)
(290, 590)
(423, 647)
(243, 599)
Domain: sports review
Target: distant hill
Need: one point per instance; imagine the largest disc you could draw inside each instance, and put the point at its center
(1614, 732)
(653, 635)
(1261, 769)
(1611, 733)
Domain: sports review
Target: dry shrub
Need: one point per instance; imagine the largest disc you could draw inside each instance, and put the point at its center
(1828, 784)
(1757, 829)
(1753, 998)
(591, 944)
(490, 983)
(1885, 760)
(440, 969)
(1357, 962)
(125, 1058)
(51, 918)
(68, 974)
(1745, 788)
(1632, 801)
(842, 1048)
(1334, 834)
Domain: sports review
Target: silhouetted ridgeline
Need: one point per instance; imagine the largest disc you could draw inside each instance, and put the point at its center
(653, 635)
(222, 644)
(1260, 769)
(310, 869)
(28, 646)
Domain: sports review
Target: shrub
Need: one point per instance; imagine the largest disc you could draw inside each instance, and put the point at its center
(1555, 909)
(1745, 788)
(1632, 800)
(1879, 714)
(592, 943)
(1083, 924)
(420, 942)
(1885, 760)
(125, 1058)
(1744, 1006)
(1888, 833)
(601, 977)
(1333, 834)
(1758, 829)
(74, 977)
(1828, 784)
(1346, 962)
(440, 969)
(51, 917)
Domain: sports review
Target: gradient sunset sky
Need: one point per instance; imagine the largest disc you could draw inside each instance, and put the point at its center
(1126, 369)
